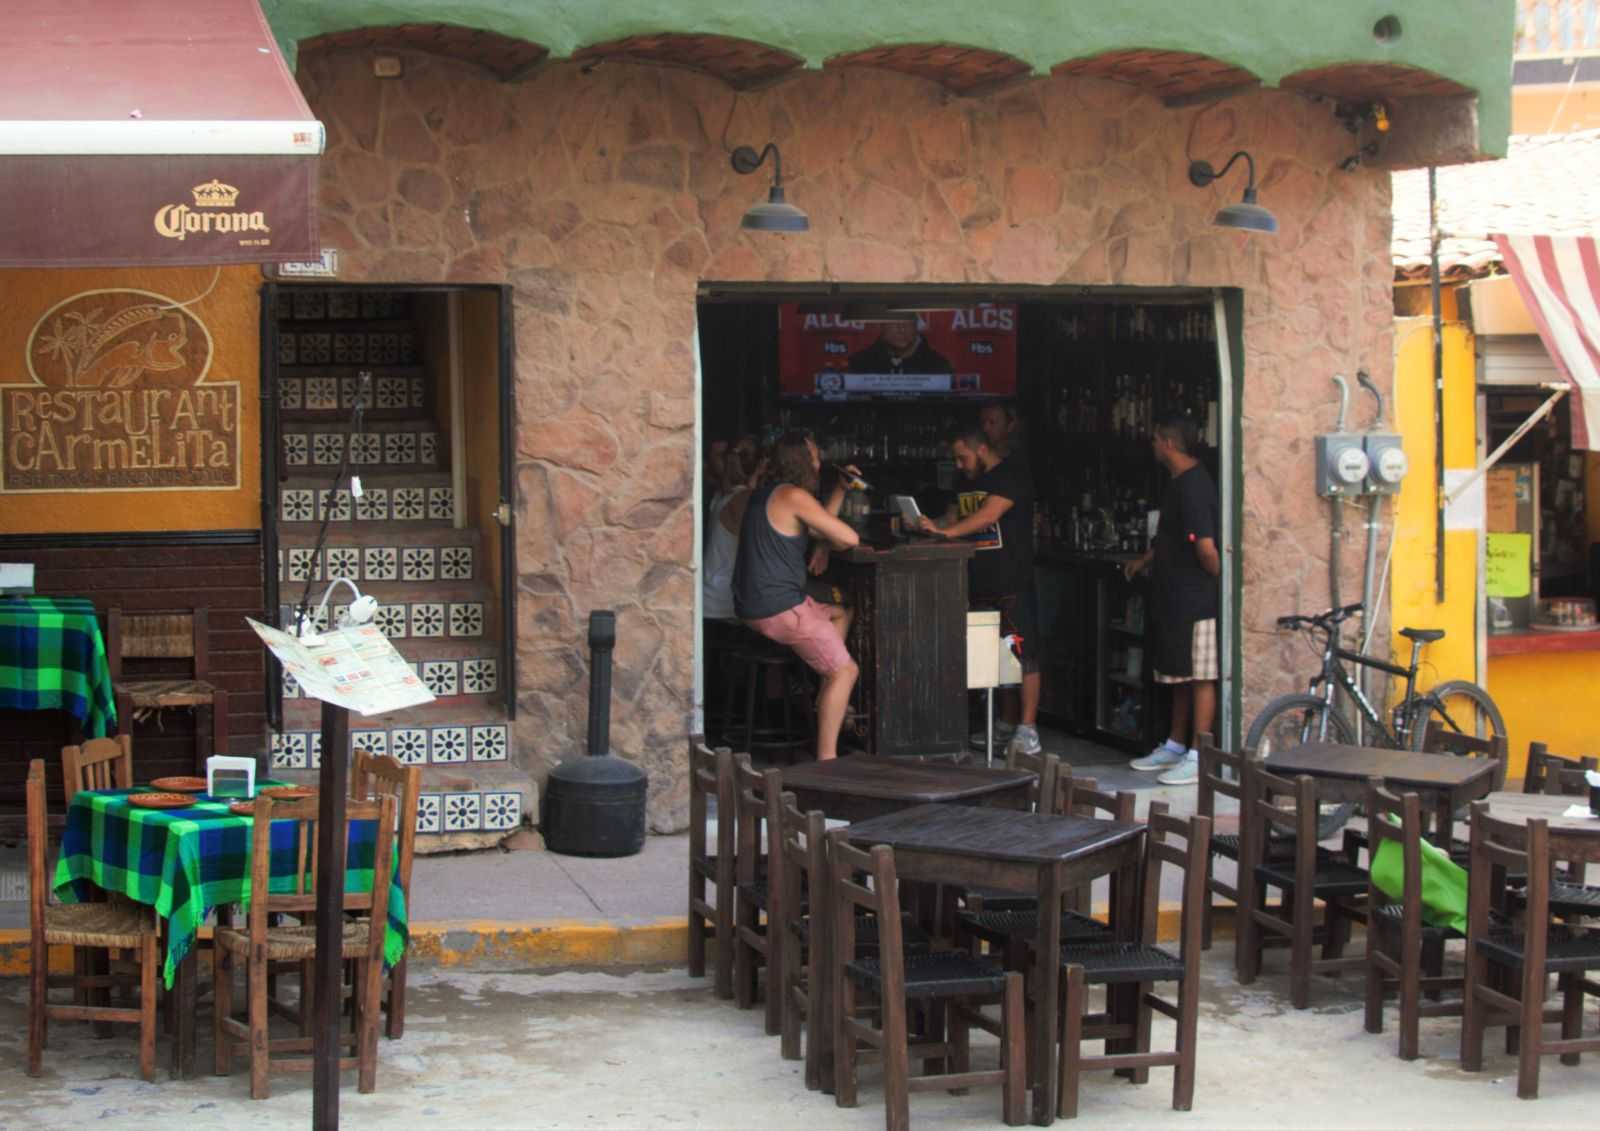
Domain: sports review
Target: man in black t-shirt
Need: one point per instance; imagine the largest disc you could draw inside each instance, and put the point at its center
(1184, 600)
(995, 512)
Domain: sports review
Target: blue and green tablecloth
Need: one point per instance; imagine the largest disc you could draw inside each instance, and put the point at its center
(53, 658)
(187, 862)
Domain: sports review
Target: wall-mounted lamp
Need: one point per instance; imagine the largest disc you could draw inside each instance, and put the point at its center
(1247, 214)
(776, 214)
(361, 610)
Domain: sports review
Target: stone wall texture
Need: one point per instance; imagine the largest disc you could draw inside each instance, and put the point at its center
(604, 198)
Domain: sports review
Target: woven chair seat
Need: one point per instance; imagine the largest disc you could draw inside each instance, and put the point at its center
(286, 943)
(946, 973)
(154, 694)
(1122, 962)
(999, 926)
(97, 924)
(913, 938)
(1566, 952)
(1573, 899)
(1335, 876)
(998, 899)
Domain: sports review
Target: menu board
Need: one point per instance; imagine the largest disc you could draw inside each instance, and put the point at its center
(353, 667)
(966, 352)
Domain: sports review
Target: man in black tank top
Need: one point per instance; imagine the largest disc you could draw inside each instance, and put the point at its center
(769, 576)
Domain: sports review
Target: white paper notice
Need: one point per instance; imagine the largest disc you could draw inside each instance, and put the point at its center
(352, 667)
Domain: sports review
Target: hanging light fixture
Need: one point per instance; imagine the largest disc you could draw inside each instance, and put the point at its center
(1247, 215)
(775, 214)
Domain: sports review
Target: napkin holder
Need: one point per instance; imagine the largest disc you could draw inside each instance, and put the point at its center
(226, 769)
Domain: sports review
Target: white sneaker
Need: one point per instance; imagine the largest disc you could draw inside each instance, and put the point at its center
(1186, 772)
(1025, 740)
(1163, 757)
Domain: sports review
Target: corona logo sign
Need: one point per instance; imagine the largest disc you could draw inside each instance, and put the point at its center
(178, 221)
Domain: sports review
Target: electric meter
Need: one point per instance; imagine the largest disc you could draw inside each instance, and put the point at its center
(1342, 464)
(1388, 462)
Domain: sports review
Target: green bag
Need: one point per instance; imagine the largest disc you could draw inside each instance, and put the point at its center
(1444, 883)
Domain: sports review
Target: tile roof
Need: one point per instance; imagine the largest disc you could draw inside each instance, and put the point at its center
(1546, 185)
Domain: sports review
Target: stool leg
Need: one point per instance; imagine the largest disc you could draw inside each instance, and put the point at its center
(752, 676)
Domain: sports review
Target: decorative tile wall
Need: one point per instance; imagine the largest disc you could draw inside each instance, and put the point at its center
(452, 744)
(400, 620)
(402, 504)
(300, 393)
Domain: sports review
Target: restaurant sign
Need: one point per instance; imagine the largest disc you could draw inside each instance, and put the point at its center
(116, 400)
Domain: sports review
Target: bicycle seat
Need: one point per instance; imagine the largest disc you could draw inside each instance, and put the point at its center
(1423, 635)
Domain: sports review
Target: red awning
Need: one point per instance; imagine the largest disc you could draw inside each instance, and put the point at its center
(151, 132)
(1559, 280)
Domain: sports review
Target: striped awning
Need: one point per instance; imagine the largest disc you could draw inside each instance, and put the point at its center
(1559, 279)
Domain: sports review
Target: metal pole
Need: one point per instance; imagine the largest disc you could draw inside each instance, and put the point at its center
(328, 998)
(1438, 385)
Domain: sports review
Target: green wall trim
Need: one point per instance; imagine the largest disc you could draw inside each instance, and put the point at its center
(1468, 41)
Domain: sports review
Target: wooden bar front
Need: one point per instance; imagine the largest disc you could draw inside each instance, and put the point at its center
(910, 638)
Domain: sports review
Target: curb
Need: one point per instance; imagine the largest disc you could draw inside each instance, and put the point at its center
(465, 944)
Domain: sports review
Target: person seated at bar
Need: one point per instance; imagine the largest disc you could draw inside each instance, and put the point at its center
(995, 511)
(770, 572)
(742, 467)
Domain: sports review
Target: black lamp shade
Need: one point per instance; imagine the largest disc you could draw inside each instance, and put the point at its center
(1248, 216)
(776, 215)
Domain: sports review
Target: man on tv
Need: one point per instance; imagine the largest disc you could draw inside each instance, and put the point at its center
(900, 348)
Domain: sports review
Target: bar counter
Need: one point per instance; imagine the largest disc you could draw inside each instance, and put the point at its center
(910, 637)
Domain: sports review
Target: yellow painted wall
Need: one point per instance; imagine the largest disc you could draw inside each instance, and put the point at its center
(1411, 575)
(1544, 699)
(230, 310)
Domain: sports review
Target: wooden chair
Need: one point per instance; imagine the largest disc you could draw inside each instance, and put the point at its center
(1439, 738)
(756, 945)
(1012, 928)
(100, 763)
(379, 775)
(1221, 774)
(1312, 874)
(952, 979)
(168, 636)
(1540, 761)
(110, 926)
(1508, 970)
(1183, 845)
(259, 945)
(711, 784)
(1404, 954)
(1047, 769)
(800, 869)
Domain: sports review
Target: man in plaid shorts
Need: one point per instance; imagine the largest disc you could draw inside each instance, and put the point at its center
(1184, 600)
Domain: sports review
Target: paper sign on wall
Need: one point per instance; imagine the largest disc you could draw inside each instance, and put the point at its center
(1508, 560)
(1502, 503)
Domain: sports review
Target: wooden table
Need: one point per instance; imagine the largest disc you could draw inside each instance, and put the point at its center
(909, 635)
(1447, 781)
(1571, 838)
(1026, 852)
(862, 787)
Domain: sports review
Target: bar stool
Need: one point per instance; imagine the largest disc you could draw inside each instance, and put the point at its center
(723, 639)
(763, 727)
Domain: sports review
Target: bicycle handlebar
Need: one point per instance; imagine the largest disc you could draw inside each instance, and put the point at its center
(1320, 620)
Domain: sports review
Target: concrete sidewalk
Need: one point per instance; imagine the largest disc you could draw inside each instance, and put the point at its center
(655, 1049)
(533, 909)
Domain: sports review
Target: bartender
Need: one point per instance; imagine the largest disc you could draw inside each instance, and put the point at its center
(995, 513)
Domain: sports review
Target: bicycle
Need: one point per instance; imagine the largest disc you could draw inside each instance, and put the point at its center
(1312, 716)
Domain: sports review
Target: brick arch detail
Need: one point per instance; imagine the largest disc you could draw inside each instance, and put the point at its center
(957, 68)
(741, 63)
(1373, 80)
(503, 56)
(1171, 75)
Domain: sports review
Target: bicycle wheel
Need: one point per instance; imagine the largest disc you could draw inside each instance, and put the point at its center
(1460, 706)
(1290, 720)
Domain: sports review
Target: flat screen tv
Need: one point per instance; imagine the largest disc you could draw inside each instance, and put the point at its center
(967, 352)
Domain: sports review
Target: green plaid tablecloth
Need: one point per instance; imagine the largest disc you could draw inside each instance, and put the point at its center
(186, 862)
(52, 658)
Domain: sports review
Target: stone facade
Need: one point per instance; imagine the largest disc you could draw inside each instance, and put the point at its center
(604, 197)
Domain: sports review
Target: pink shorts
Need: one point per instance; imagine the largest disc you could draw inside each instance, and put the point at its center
(807, 629)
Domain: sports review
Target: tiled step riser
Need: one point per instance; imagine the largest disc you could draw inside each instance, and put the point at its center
(445, 678)
(368, 451)
(377, 504)
(411, 746)
(421, 620)
(312, 397)
(377, 563)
